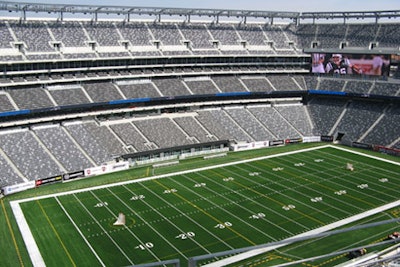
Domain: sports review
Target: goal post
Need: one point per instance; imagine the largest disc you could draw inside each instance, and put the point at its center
(120, 220)
(349, 166)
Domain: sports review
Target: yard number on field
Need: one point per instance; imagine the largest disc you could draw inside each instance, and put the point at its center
(138, 197)
(147, 245)
(169, 191)
(101, 204)
(341, 192)
(184, 236)
(289, 207)
(223, 225)
(257, 216)
(316, 199)
(362, 186)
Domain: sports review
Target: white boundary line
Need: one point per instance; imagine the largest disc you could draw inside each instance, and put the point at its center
(38, 261)
(169, 174)
(26, 233)
(322, 229)
(366, 155)
(80, 232)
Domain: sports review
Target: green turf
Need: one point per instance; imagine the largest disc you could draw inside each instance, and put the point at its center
(203, 212)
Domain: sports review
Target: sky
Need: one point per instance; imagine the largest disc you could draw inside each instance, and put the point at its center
(264, 5)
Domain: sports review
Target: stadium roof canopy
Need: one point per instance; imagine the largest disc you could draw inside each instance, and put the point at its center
(128, 11)
(151, 11)
(351, 15)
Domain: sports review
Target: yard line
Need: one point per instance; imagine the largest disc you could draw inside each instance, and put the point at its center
(274, 200)
(168, 174)
(151, 227)
(104, 230)
(188, 217)
(370, 220)
(127, 228)
(369, 168)
(352, 181)
(304, 186)
(365, 155)
(293, 181)
(219, 207)
(373, 174)
(341, 176)
(12, 233)
(325, 228)
(288, 197)
(80, 232)
(332, 157)
(205, 212)
(247, 199)
(56, 233)
(29, 240)
(174, 225)
(372, 178)
(258, 204)
(318, 183)
(366, 166)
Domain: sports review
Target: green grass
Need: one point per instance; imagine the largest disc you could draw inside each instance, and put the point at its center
(214, 210)
(208, 211)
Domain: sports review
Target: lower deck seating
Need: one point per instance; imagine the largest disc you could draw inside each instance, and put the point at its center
(43, 151)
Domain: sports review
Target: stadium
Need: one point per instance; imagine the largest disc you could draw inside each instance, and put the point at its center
(140, 136)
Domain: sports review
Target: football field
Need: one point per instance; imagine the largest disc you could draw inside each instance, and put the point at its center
(204, 211)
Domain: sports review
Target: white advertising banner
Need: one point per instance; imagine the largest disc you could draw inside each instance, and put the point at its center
(11, 189)
(252, 145)
(119, 166)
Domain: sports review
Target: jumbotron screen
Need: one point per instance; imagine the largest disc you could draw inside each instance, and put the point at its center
(363, 64)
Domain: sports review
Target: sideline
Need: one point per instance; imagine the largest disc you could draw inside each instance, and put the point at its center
(169, 174)
(252, 253)
(366, 155)
(26, 233)
(320, 230)
(12, 233)
(38, 261)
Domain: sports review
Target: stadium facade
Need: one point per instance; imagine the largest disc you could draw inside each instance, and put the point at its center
(92, 85)
(95, 89)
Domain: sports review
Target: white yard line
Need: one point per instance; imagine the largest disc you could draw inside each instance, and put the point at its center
(277, 213)
(365, 155)
(80, 232)
(104, 230)
(328, 227)
(169, 174)
(37, 259)
(322, 229)
(188, 217)
(232, 215)
(132, 233)
(293, 200)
